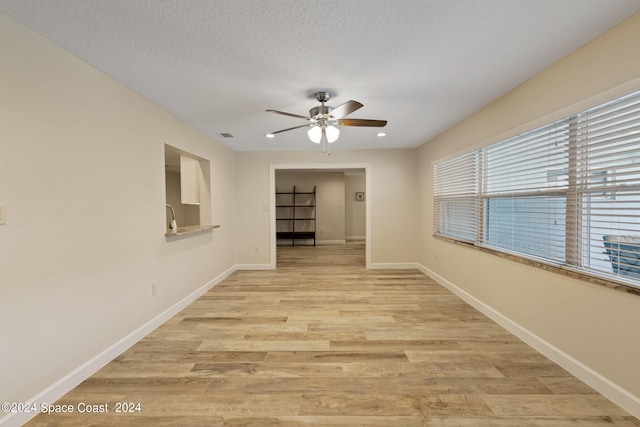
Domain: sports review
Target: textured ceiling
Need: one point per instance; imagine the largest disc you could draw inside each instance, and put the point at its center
(423, 65)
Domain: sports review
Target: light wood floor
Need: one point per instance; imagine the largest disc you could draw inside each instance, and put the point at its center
(322, 341)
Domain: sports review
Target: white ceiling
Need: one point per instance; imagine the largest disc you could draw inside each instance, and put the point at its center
(423, 65)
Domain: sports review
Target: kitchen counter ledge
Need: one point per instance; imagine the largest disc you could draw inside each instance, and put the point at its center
(181, 231)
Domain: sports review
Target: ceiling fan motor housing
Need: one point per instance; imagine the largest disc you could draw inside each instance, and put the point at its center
(320, 112)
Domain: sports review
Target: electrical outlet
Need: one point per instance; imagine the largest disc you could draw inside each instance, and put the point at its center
(154, 289)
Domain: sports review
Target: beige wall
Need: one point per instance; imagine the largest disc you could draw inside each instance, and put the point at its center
(394, 206)
(595, 325)
(330, 216)
(355, 213)
(82, 179)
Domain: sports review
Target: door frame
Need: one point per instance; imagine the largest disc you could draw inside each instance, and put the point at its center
(321, 167)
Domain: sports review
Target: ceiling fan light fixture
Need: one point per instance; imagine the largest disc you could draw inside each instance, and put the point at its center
(315, 134)
(270, 135)
(332, 134)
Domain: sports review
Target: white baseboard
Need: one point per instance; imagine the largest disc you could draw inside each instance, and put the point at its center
(394, 265)
(350, 238)
(331, 242)
(618, 395)
(91, 366)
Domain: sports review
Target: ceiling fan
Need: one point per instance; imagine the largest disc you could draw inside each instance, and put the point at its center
(323, 120)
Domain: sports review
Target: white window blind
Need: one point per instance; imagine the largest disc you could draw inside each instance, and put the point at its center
(608, 188)
(566, 193)
(525, 192)
(456, 195)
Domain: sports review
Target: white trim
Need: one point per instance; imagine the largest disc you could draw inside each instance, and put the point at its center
(394, 266)
(272, 215)
(68, 382)
(575, 108)
(368, 184)
(319, 167)
(618, 395)
(351, 238)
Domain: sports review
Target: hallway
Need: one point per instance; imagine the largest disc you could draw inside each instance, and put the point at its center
(323, 341)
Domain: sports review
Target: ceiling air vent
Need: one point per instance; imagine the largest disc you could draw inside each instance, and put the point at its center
(226, 135)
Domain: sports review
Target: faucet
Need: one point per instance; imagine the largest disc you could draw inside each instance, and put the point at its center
(173, 226)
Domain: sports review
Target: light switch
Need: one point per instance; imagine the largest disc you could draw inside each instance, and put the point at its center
(2, 219)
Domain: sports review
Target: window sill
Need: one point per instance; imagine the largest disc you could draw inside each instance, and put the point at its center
(575, 274)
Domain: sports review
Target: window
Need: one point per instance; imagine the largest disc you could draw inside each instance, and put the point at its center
(567, 193)
(456, 192)
(187, 190)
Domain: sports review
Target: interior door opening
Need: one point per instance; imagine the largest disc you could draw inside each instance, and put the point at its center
(322, 207)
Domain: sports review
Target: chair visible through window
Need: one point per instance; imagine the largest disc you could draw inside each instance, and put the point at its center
(624, 253)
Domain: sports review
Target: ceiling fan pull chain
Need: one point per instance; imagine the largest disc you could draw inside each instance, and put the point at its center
(326, 147)
(324, 142)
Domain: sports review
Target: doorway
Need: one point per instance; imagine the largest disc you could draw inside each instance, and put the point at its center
(337, 227)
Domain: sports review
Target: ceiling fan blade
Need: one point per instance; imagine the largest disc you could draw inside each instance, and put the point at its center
(362, 122)
(289, 114)
(345, 109)
(288, 129)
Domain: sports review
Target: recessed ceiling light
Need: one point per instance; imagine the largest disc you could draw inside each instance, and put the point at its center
(381, 134)
(270, 135)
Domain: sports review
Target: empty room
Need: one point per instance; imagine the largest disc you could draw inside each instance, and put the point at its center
(290, 213)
